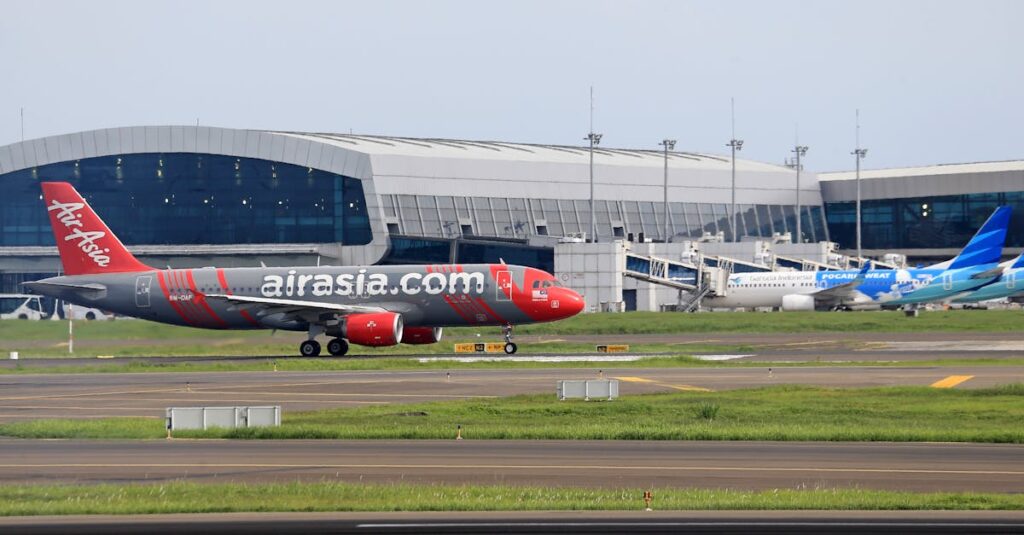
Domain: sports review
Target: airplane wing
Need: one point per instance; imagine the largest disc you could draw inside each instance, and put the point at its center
(307, 310)
(843, 292)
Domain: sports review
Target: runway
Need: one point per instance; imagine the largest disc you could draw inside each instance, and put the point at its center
(607, 464)
(814, 347)
(901, 522)
(99, 395)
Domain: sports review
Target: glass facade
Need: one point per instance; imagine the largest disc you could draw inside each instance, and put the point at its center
(453, 217)
(922, 222)
(187, 198)
(416, 250)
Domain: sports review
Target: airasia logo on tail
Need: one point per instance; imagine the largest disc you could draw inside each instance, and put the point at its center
(70, 217)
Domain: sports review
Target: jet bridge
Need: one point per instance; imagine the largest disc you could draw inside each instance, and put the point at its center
(801, 264)
(706, 276)
(672, 273)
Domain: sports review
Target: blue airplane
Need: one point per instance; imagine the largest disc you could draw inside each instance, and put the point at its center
(976, 266)
(1010, 282)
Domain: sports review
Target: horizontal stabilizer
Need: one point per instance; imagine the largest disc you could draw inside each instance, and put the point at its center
(89, 291)
(988, 274)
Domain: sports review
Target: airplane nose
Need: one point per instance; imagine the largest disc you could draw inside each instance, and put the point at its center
(573, 303)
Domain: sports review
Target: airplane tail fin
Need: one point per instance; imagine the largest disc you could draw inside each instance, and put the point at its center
(86, 245)
(986, 247)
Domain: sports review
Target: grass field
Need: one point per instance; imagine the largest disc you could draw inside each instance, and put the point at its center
(896, 414)
(136, 337)
(181, 497)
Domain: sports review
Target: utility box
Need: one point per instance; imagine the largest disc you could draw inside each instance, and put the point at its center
(587, 389)
(224, 417)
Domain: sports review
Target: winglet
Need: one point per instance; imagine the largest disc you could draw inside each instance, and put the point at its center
(86, 245)
(986, 247)
(859, 279)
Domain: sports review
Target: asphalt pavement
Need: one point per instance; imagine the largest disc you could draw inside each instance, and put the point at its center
(608, 464)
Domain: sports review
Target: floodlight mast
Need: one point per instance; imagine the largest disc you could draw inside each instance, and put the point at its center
(800, 151)
(735, 144)
(858, 154)
(594, 140)
(668, 144)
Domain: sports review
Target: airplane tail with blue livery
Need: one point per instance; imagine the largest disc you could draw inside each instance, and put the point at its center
(986, 247)
(976, 266)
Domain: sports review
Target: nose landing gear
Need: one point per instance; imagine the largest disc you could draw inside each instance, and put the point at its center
(510, 346)
(311, 348)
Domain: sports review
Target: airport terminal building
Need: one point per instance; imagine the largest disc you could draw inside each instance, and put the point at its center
(189, 196)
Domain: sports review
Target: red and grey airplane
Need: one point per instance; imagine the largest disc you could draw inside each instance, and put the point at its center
(364, 305)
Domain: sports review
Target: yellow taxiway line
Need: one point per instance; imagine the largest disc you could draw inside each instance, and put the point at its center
(951, 381)
(684, 388)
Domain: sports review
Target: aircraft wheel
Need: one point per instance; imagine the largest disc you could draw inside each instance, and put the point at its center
(309, 348)
(510, 348)
(337, 347)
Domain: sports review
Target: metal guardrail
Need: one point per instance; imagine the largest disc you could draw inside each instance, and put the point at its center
(225, 417)
(587, 389)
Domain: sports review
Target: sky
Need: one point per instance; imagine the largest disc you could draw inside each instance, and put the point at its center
(935, 81)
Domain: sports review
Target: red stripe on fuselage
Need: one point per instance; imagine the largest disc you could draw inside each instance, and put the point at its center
(489, 311)
(224, 285)
(177, 286)
(191, 306)
(453, 302)
(200, 299)
(167, 295)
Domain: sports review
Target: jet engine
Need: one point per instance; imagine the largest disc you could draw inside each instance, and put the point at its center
(421, 335)
(374, 329)
(797, 302)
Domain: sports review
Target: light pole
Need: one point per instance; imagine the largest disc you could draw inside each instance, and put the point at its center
(595, 139)
(858, 154)
(800, 151)
(669, 144)
(736, 144)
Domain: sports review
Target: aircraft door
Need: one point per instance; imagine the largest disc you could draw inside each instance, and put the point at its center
(503, 290)
(142, 286)
(1011, 279)
(947, 281)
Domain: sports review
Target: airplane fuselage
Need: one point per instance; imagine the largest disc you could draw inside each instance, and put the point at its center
(890, 287)
(426, 296)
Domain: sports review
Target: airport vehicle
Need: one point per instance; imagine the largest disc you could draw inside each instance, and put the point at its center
(1010, 282)
(21, 306)
(67, 310)
(975, 266)
(364, 305)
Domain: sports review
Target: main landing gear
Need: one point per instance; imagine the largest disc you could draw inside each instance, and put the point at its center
(311, 348)
(510, 346)
(337, 347)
